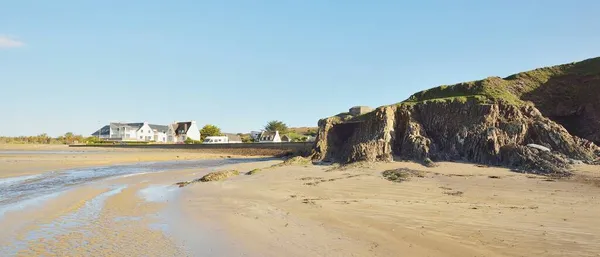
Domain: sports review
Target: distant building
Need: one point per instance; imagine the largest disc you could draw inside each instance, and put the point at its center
(141, 131)
(269, 137)
(178, 132)
(359, 110)
(286, 138)
(233, 138)
(310, 138)
(255, 135)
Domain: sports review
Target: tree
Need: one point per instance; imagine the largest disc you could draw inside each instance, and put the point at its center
(209, 130)
(246, 138)
(276, 125)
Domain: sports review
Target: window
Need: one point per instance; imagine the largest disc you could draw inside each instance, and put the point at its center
(141, 137)
(142, 131)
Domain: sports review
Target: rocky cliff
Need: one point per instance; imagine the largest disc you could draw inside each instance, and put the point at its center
(493, 121)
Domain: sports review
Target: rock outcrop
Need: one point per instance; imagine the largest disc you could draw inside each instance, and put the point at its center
(486, 122)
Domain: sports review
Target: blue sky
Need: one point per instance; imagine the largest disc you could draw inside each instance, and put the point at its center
(76, 65)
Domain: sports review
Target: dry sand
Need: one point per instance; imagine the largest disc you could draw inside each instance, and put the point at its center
(451, 210)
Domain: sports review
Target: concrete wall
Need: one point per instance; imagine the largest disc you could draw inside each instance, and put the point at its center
(302, 148)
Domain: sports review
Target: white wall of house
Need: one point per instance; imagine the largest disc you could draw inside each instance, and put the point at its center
(145, 133)
(160, 137)
(123, 132)
(171, 134)
(193, 132)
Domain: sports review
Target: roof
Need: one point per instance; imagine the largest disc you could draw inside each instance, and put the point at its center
(135, 126)
(115, 126)
(159, 128)
(102, 131)
(267, 133)
(232, 137)
(182, 127)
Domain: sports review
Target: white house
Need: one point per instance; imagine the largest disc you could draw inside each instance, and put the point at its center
(269, 137)
(178, 132)
(141, 131)
(160, 133)
(224, 139)
(255, 135)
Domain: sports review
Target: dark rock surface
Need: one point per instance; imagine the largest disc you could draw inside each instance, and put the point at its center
(491, 134)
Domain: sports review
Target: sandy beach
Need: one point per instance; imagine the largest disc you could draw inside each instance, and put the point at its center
(454, 209)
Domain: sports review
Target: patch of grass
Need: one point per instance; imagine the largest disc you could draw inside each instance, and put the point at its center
(509, 90)
(429, 163)
(491, 89)
(402, 174)
(254, 171)
(219, 175)
(298, 160)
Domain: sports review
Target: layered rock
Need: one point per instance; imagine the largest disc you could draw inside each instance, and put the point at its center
(454, 129)
(510, 121)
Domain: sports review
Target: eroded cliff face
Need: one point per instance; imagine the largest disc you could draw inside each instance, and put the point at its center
(493, 134)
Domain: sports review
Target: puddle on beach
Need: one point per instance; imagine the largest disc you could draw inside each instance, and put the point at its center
(26, 192)
(72, 222)
(159, 193)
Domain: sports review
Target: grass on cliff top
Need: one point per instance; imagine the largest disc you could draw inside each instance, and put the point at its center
(510, 89)
(492, 89)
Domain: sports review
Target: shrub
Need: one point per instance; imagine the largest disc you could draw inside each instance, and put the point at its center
(219, 175)
(401, 175)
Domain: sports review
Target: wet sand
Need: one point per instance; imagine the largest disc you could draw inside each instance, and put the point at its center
(21, 160)
(451, 210)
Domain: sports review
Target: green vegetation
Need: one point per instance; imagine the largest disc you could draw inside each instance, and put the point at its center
(246, 138)
(402, 174)
(219, 175)
(307, 131)
(509, 90)
(67, 138)
(190, 141)
(296, 137)
(213, 176)
(276, 125)
(209, 130)
(491, 89)
(298, 160)
(105, 142)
